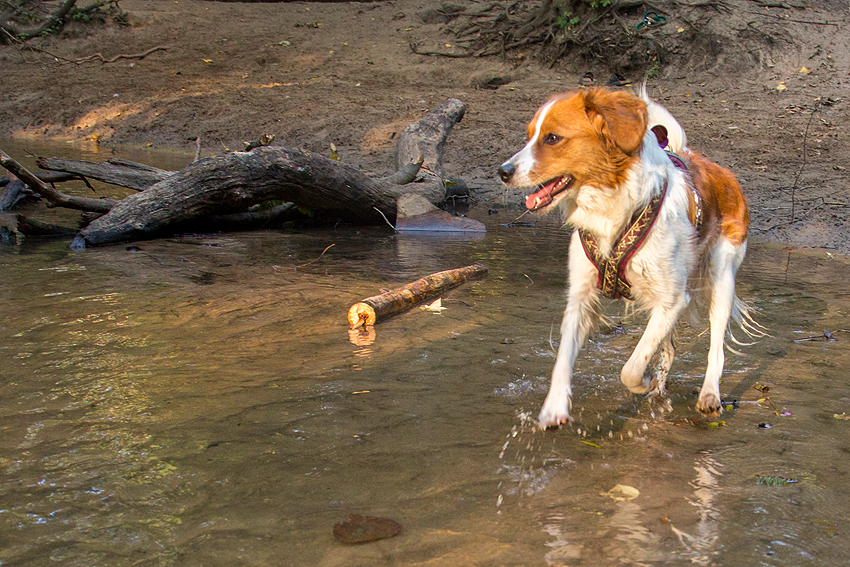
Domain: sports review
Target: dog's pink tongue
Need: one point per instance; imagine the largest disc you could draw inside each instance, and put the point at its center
(541, 198)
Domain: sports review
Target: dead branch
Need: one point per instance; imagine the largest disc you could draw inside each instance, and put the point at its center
(47, 177)
(31, 227)
(125, 173)
(376, 308)
(55, 197)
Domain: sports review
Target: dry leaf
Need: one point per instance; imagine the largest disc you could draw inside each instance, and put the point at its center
(435, 307)
(622, 493)
(781, 86)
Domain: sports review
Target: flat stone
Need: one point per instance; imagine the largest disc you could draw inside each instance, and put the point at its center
(417, 215)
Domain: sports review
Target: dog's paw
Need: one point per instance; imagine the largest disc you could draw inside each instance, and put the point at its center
(709, 404)
(553, 417)
(657, 391)
(646, 386)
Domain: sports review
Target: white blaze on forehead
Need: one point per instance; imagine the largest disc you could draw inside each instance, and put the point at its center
(523, 160)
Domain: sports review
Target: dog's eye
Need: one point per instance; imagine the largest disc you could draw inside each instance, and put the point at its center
(551, 139)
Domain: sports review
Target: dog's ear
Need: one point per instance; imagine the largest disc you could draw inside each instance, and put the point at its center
(619, 116)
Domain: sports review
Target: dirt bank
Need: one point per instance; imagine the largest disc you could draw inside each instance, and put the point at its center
(314, 74)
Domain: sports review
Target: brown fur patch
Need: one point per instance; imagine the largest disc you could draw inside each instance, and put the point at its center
(724, 205)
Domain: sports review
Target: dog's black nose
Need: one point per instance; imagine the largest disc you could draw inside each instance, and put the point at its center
(506, 171)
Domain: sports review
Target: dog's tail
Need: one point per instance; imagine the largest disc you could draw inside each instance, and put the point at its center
(742, 316)
(671, 136)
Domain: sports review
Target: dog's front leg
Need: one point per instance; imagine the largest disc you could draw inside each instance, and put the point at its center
(579, 317)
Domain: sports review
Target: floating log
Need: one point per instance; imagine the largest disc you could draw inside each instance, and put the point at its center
(379, 307)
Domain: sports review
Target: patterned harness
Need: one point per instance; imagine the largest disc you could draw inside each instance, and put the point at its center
(611, 271)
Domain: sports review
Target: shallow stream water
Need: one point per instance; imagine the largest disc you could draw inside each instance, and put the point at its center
(199, 401)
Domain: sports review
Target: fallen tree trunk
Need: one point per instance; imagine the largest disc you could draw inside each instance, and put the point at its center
(379, 307)
(233, 182)
(236, 181)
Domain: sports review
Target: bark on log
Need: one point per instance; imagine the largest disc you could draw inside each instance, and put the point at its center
(235, 181)
(427, 137)
(125, 173)
(377, 308)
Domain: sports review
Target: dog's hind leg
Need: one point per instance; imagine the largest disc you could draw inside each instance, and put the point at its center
(659, 329)
(724, 262)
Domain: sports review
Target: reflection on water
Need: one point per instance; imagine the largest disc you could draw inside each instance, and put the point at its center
(201, 401)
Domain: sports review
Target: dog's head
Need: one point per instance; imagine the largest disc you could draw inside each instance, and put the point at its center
(587, 138)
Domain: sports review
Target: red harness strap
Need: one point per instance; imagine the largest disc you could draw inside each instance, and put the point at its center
(612, 280)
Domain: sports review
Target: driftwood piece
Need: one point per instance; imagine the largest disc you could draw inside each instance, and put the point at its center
(13, 193)
(235, 181)
(426, 138)
(215, 189)
(377, 308)
(56, 198)
(125, 173)
(32, 227)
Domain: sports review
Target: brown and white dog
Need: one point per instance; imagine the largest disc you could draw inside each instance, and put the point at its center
(678, 230)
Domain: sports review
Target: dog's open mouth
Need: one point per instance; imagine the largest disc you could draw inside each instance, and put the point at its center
(546, 192)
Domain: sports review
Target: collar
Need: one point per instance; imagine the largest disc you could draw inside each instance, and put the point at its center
(611, 271)
(696, 213)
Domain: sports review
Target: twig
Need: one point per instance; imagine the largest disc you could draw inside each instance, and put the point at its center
(197, 149)
(317, 259)
(385, 217)
(100, 57)
(415, 49)
(803, 165)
